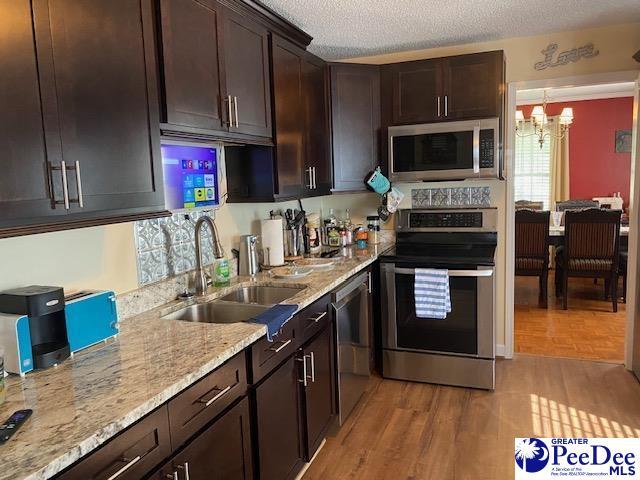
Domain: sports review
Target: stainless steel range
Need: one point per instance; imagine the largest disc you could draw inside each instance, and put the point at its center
(460, 349)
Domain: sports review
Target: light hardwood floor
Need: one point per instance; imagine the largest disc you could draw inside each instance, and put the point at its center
(588, 329)
(416, 431)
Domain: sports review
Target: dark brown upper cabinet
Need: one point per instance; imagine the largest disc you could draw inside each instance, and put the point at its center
(315, 96)
(99, 115)
(287, 62)
(300, 164)
(415, 90)
(474, 85)
(215, 71)
(246, 61)
(442, 89)
(190, 56)
(355, 116)
(24, 185)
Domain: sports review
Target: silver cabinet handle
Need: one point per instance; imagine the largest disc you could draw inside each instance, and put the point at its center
(216, 397)
(318, 318)
(230, 112)
(438, 105)
(446, 105)
(185, 467)
(65, 184)
(309, 171)
(79, 185)
(313, 367)
(173, 477)
(452, 273)
(369, 282)
(476, 149)
(284, 344)
(304, 370)
(130, 463)
(315, 184)
(235, 106)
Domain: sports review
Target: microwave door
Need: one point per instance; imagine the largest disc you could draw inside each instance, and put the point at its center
(443, 151)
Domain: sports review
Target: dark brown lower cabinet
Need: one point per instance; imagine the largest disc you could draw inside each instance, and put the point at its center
(319, 392)
(278, 417)
(221, 452)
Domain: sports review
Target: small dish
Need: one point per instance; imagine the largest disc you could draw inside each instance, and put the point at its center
(315, 263)
(291, 272)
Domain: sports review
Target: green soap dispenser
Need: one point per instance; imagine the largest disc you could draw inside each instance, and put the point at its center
(221, 271)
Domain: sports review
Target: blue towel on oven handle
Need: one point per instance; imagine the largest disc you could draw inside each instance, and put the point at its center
(432, 295)
(275, 318)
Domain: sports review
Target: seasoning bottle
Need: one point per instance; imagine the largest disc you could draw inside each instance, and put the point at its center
(374, 230)
(313, 232)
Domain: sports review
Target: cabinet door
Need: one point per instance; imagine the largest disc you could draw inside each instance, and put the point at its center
(24, 185)
(317, 132)
(288, 116)
(474, 85)
(319, 393)
(278, 423)
(246, 53)
(355, 114)
(222, 451)
(416, 91)
(192, 95)
(103, 79)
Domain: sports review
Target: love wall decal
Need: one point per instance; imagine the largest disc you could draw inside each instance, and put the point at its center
(563, 58)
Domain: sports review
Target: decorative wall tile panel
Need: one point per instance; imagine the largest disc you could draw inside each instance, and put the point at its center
(166, 246)
(449, 197)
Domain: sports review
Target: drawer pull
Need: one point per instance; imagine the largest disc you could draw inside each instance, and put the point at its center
(216, 397)
(277, 349)
(130, 463)
(185, 467)
(318, 318)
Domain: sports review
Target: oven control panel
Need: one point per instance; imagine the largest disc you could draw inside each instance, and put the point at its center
(462, 220)
(445, 219)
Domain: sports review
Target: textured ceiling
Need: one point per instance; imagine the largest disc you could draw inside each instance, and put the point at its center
(353, 28)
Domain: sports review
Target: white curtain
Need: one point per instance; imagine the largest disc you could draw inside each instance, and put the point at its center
(559, 160)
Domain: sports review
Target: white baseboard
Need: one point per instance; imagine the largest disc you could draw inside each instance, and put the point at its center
(500, 349)
(308, 464)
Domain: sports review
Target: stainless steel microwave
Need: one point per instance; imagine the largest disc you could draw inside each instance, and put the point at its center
(445, 151)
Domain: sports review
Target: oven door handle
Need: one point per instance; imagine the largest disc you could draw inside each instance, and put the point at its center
(452, 273)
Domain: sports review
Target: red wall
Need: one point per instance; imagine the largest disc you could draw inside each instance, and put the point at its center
(595, 169)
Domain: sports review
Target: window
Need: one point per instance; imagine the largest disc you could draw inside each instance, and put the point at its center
(532, 171)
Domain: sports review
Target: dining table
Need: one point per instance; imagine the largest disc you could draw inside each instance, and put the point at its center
(556, 236)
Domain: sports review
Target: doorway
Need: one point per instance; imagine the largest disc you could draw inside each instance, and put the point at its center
(588, 329)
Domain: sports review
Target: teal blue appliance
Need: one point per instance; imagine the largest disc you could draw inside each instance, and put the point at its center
(92, 318)
(32, 328)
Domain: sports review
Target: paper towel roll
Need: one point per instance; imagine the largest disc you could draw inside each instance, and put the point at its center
(272, 242)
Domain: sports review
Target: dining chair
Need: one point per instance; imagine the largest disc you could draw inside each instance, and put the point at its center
(591, 249)
(532, 248)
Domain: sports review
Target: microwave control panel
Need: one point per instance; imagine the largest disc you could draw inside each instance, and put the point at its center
(487, 148)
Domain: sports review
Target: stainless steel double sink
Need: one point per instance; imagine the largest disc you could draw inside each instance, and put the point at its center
(240, 305)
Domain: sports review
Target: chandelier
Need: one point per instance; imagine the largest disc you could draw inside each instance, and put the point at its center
(540, 121)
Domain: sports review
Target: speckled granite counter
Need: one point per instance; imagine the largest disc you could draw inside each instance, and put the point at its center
(88, 399)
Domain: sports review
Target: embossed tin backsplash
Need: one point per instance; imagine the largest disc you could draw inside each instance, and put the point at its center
(448, 197)
(165, 247)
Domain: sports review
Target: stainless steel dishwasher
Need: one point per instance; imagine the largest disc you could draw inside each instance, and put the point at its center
(350, 303)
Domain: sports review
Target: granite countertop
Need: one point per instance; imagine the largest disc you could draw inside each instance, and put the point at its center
(91, 397)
